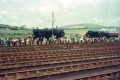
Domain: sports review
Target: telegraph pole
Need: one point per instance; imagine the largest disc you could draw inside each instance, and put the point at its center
(107, 15)
(52, 23)
(119, 28)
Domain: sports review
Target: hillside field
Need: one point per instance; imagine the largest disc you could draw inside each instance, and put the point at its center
(14, 33)
(22, 33)
(77, 30)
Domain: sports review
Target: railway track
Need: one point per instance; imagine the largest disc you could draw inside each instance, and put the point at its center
(106, 73)
(47, 71)
(16, 61)
(9, 65)
(49, 62)
(57, 47)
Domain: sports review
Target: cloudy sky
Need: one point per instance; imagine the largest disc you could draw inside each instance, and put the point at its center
(37, 13)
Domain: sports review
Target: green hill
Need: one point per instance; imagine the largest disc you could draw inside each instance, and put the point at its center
(14, 31)
(85, 25)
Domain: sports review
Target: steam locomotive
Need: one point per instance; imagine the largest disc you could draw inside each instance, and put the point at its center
(47, 33)
(101, 34)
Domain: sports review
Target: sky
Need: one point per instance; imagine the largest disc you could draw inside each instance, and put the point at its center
(38, 13)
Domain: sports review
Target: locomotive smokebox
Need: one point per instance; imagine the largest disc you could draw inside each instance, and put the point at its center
(101, 34)
(47, 33)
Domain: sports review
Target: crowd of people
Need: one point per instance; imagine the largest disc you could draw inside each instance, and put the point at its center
(31, 40)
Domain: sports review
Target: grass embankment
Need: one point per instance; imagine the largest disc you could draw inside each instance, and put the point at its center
(25, 32)
(14, 33)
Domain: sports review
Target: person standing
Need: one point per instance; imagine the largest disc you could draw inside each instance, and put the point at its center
(8, 41)
(37, 41)
(0, 41)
